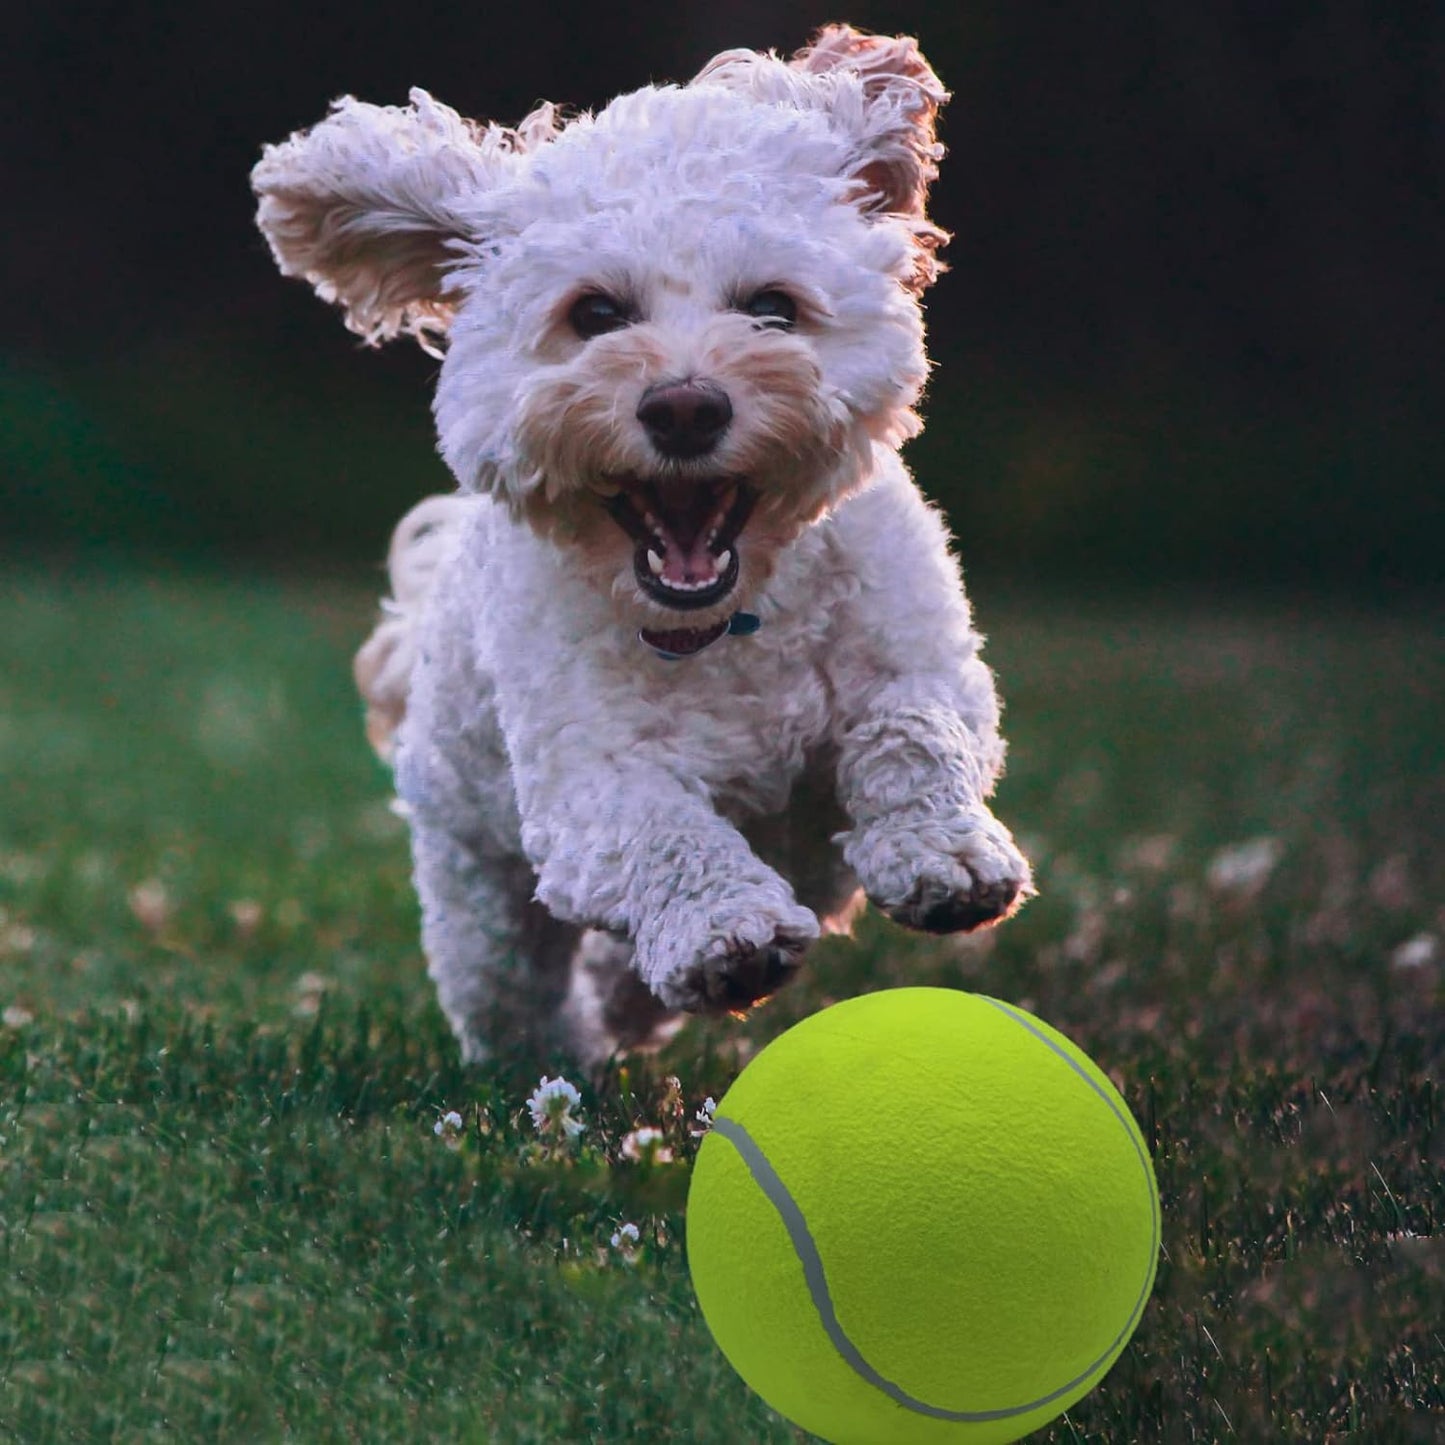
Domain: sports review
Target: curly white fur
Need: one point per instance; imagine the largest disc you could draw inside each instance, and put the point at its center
(602, 834)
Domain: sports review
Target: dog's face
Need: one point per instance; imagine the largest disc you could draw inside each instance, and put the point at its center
(674, 369)
(674, 330)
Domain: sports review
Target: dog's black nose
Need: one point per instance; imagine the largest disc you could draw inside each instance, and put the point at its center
(685, 418)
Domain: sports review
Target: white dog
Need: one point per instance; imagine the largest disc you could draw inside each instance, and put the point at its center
(688, 669)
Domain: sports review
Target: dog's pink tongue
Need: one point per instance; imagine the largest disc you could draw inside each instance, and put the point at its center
(691, 563)
(684, 510)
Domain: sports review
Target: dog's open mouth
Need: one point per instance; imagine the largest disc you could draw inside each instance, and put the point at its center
(686, 529)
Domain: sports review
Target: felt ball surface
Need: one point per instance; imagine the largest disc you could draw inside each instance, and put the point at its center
(922, 1216)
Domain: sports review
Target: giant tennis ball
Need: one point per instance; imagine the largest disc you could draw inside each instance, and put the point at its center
(922, 1216)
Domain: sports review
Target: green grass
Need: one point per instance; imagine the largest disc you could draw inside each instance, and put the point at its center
(225, 1214)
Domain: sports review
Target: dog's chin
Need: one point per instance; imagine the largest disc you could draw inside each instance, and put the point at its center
(730, 595)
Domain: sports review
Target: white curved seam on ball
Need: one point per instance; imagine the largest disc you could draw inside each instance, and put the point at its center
(815, 1277)
(1132, 1133)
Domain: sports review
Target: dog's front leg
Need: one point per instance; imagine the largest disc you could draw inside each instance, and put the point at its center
(917, 724)
(924, 844)
(632, 848)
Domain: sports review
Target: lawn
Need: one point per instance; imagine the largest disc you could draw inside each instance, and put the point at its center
(226, 1209)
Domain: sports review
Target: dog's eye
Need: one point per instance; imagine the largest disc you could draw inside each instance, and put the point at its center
(776, 307)
(595, 313)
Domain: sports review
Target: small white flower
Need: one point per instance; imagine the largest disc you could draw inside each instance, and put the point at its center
(646, 1143)
(1245, 867)
(247, 915)
(1418, 952)
(626, 1236)
(151, 905)
(551, 1104)
(704, 1117)
(310, 990)
(449, 1129)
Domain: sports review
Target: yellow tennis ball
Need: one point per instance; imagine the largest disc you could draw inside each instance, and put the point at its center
(922, 1216)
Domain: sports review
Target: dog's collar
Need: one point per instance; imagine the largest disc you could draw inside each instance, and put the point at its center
(682, 642)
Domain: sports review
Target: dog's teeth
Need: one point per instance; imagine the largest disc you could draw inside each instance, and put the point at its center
(722, 559)
(654, 562)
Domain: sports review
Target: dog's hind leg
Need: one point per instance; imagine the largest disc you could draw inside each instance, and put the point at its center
(609, 1009)
(499, 960)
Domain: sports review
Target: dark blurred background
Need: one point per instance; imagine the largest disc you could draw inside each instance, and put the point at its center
(1193, 331)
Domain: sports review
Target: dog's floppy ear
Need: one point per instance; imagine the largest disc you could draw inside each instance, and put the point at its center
(883, 95)
(902, 96)
(370, 205)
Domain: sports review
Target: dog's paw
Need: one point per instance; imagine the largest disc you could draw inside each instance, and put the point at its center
(943, 875)
(739, 975)
(944, 906)
(723, 961)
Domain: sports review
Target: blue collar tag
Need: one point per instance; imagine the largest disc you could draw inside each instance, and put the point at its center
(743, 624)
